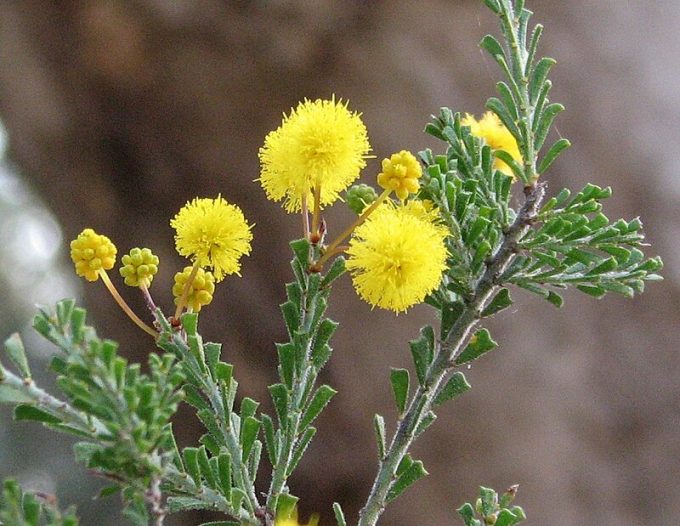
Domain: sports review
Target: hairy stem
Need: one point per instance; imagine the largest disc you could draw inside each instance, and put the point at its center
(446, 353)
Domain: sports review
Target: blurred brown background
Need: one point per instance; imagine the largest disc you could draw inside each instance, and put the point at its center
(117, 112)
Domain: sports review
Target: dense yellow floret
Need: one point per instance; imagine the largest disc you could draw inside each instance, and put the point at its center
(213, 233)
(320, 145)
(92, 252)
(397, 257)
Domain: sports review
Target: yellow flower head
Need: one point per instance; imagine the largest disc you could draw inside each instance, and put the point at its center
(397, 256)
(400, 173)
(200, 291)
(491, 129)
(213, 233)
(320, 145)
(139, 267)
(292, 520)
(92, 252)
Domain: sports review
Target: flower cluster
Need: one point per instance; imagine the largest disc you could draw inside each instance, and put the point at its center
(91, 253)
(320, 148)
(397, 256)
(400, 173)
(212, 233)
(139, 267)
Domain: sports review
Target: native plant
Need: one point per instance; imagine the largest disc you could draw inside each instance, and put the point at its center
(456, 229)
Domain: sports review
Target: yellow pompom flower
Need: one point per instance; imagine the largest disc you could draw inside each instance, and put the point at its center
(139, 267)
(400, 173)
(213, 234)
(320, 146)
(200, 291)
(397, 257)
(491, 129)
(92, 252)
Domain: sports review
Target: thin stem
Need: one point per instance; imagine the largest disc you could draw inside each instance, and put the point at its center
(316, 216)
(305, 216)
(446, 353)
(123, 305)
(185, 291)
(154, 497)
(330, 250)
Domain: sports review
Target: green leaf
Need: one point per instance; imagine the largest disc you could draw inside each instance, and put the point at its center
(592, 290)
(321, 398)
(494, 47)
(424, 423)
(455, 386)
(14, 348)
(412, 474)
(506, 518)
(489, 500)
(31, 412)
(493, 5)
(224, 372)
(301, 250)
(500, 302)
(339, 515)
(422, 351)
(220, 523)
(399, 378)
(250, 430)
(450, 314)
(291, 316)
(176, 504)
(545, 122)
(279, 395)
(285, 505)
(205, 468)
(190, 456)
(190, 323)
(301, 448)
(379, 428)
(224, 471)
(324, 333)
(510, 161)
(269, 440)
(480, 344)
(468, 513)
(554, 152)
(337, 269)
(64, 310)
(539, 76)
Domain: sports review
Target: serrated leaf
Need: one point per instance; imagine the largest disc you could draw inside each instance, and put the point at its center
(424, 423)
(206, 468)
(412, 474)
(249, 431)
(399, 378)
(455, 386)
(31, 412)
(190, 457)
(422, 351)
(500, 302)
(337, 269)
(301, 250)
(321, 398)
(480, 343)
(14, 348)
(506, 518)
(291, 317)
(379, 428)
(279, 395)
(224, 471)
